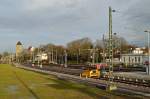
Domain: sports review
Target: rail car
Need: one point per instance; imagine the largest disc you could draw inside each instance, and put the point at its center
(94, 73)
(97, 71)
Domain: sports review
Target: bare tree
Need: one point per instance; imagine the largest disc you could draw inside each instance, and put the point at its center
(79, 49)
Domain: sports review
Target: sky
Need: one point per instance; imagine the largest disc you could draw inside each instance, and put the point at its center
(36, 22)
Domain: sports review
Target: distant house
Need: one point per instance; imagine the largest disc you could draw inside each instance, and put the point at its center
(41, 57)
(7, 59)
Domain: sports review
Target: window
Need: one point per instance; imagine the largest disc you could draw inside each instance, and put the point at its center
(135, 59)
(139, 59)
(124, 59)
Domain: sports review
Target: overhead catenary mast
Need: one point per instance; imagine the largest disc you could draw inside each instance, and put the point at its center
(111, 85)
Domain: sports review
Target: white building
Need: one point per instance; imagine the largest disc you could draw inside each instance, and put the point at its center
(132, 59)
(41, 57)
(136, 57)
(138, 51)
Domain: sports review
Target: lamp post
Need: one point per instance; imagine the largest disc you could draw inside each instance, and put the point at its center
(148, 69)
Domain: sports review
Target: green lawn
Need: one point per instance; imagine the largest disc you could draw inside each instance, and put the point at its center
(17, 83)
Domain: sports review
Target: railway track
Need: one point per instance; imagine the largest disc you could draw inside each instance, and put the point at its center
(140, 90)
(131, 81)
(76, 72)
(115, 68)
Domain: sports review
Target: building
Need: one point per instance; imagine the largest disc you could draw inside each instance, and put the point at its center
(41, 57)
(19, 49)
(132, 59)
(136, 57)
(7, 59)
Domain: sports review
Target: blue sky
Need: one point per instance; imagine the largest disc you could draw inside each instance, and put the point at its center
(35, 22)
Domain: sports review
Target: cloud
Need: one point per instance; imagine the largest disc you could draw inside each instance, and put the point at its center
(138, 15)
(43, 15)
(43, 4)
(132, 19)
(60, 21)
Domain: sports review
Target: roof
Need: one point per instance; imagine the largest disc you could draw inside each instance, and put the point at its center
(19, 43)
(133, 55)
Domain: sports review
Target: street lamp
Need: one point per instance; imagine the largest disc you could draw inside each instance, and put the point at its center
(148, 71)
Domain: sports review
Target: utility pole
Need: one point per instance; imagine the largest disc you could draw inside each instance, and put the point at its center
(52, 56)
(93, 57)
(148, 54)
(148, 68)
(110, 46)
(92, 54)
(78, 58)
(111, 85)
(103, 49)
(33, 59)
(65, 58)
(41, 58)
(97, 56)
(38, 57)
(62, 59)
(56, 57)
(120, 49)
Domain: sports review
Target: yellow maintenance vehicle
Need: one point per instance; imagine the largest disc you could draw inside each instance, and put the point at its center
(93, 73)
(96, 71)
